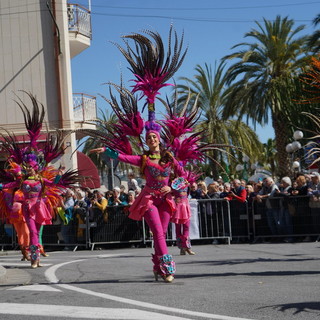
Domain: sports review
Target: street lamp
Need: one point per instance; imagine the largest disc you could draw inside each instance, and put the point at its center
(295, 164)
(297, 135)
(293, 147)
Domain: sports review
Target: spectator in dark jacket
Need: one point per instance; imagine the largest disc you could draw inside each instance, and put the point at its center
(195, 193)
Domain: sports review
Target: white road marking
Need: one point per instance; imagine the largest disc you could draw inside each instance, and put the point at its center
(45, 310)
(50, 273)
(36, 287)
(51, 277)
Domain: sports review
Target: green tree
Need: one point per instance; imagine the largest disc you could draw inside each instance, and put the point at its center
(314, 40)
(263, 79)
(91, 143)
(268, 156)
(208, 87)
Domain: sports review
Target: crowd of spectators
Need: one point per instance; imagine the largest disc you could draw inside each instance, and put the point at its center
(80, 205)
(280, 202)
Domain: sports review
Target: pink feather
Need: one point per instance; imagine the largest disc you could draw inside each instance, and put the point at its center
(131, 124)
(177, 126)
(150, 84)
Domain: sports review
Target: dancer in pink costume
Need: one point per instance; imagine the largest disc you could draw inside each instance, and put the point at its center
(151, 68)
(40, 184)
(155, 203)
(10, 207)
(182, 215)
(34, 207)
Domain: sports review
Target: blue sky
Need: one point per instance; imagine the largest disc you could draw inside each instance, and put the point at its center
(210, 29)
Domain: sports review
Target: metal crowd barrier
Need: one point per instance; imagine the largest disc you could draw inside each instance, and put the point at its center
(292, 217)
(7, 236)
(286, 217)
(214, 219)
(115, 227)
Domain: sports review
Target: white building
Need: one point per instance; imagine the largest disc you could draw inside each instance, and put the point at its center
(38, 39)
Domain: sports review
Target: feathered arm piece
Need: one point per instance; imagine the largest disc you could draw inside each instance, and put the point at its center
(53, 147)
(193, 175)
(130, 120)
(6, 176)
(112, 139)
(179, 120)
(10, 145)
(68, 179)
(191, 150)
(187, 150)
(149, 63)
(33, 120)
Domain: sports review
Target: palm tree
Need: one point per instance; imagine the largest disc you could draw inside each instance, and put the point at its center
(91, 143)
(263, 79)
(208, 87)
(314, 40)
(268, 156)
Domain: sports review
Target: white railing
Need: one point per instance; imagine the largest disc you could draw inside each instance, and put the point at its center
(79, 20)
(84, 107)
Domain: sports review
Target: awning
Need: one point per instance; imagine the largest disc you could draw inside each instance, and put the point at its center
(89, 170)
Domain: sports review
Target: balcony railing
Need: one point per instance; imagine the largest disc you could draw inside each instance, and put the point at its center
(79, 20)
(84, 107)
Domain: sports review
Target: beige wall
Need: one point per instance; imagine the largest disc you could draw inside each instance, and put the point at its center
(28, 62)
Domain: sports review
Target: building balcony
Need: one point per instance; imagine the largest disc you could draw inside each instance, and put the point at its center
(84, 110)
(80, 31)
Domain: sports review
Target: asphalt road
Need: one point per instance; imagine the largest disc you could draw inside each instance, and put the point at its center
(226, 282)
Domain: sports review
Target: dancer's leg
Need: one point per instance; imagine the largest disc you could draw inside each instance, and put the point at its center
(185, 240)
(22, 231)
(165, 215)
(154, 222)
(42, 252)
(185, 235)
(34, 229)
(163, 263)
(40, 234)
